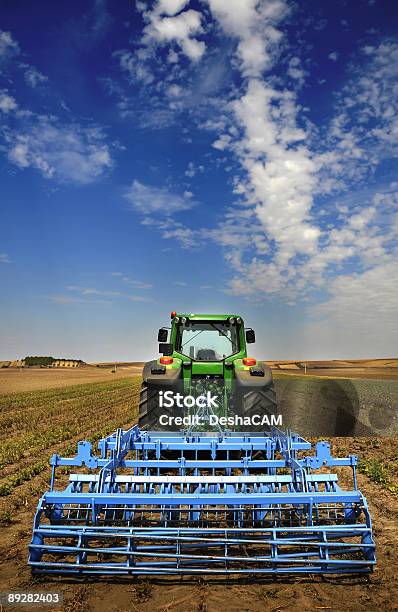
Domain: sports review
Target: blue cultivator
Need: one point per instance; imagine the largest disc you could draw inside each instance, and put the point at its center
(168, 503)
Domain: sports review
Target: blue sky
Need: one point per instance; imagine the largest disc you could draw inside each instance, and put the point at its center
(216, 156)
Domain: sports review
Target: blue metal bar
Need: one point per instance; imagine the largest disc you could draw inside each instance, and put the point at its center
(294, 522)
(181, 499)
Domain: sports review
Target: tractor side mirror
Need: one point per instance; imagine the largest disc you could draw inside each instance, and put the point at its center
(162, 335)
(166, 348)
(250, 336)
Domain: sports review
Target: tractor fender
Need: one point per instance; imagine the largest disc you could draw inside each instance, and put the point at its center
(171, 378)
(243, 378)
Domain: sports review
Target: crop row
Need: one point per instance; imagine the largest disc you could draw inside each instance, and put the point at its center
(47, 429)
(114, 406)
(29, 410)
(379, 473)
(27, 473)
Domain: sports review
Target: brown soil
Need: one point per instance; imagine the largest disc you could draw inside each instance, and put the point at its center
(378, 591)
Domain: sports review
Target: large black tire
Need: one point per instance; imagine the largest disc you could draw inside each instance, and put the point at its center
(149, 411)
(148, 408)
(258, 402)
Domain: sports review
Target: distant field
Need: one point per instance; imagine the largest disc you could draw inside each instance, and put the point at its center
(14, 380)
(340, 368)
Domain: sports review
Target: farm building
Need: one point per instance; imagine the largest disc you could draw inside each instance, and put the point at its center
(66, 363)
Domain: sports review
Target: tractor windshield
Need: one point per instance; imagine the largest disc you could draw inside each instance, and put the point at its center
(207, 341)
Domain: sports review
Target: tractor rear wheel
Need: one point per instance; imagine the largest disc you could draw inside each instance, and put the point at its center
(258, 403)
(148, 408)
(149, 411)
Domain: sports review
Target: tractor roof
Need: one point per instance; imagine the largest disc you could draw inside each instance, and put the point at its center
(205, 317)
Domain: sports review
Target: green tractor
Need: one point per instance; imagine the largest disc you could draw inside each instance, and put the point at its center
(205, 379)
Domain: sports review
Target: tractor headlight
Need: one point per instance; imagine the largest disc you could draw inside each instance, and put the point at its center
(231, 320)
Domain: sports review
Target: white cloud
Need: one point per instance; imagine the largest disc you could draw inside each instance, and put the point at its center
(180, 30)
(8, 46)
(64, 152)
(290, 233)
(358, 327)
(295, 70)
(170, 229)
(71, 152)
(34, 77)
(7, 102)
(172, 57)
(171, 7)
(222, 142)
(253, 23)
(364, 237)
(147, 200)
(64, 299)
(277, 242)
(280, 169)
(82, 294)
(264, 134)
(364, 129)
(93, 291)
(187, 237)
(364, 300)
(140, 298)
(174, 91)
(4, 258)
(236, 231)
(194, 169)
(190, 171)
(133, 64)
(136, 284)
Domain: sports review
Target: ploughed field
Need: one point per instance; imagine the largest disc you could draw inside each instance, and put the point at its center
(37, 423)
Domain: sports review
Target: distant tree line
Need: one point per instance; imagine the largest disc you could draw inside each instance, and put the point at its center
(32, 361)
(45, 361)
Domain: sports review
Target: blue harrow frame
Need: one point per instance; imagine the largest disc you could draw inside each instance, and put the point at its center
(198, 503)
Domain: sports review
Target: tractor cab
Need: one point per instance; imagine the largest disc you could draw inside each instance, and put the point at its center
(205, 338)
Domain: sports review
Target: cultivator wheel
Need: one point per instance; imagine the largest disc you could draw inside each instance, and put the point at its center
(174, 503)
